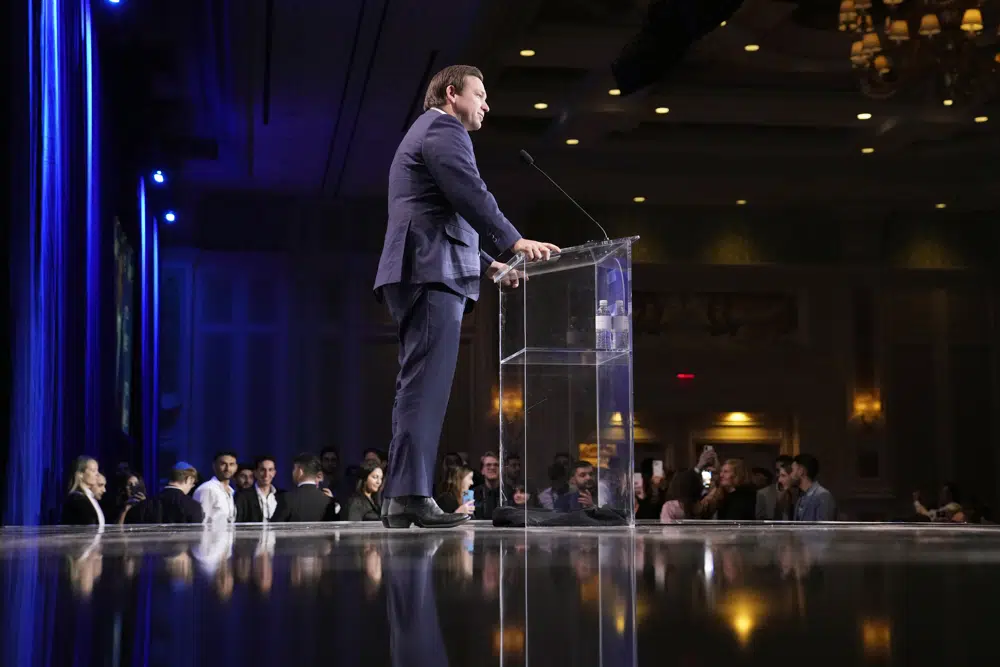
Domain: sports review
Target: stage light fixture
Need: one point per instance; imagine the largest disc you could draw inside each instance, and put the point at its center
(527, 53)
(541, 105)
(867, 150)
(722, 25)
(941, 205)
(158, 177)
(170, 217)
(114, 2)
(981, 119)
(638, 200)
(741, 202)
(947, 103)
(750, 48)
(662, 110)
(614, 92)
(864, 116)
(572, 142)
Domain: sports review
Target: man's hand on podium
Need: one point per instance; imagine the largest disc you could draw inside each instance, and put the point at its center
(512, 279)
(533, 250)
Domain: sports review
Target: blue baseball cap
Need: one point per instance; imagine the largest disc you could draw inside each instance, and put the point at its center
(182, 465)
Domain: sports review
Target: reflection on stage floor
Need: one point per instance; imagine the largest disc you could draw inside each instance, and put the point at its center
(352, 594)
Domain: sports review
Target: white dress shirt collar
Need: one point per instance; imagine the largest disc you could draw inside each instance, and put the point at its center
(96, 505)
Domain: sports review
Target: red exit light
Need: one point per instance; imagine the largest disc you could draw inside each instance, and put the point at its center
(685, 376)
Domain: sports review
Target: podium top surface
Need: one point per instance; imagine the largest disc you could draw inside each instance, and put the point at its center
(574, 257)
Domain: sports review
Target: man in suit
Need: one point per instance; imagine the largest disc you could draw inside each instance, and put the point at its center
(428, 276)
(768, 497)
(306, 502)
(173, 505)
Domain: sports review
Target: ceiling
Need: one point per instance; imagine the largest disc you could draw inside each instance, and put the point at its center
(312, 98)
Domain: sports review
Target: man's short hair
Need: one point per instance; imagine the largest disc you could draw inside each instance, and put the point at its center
(581, 464)
(488, 455)
(182, 475)
(810, 463)
(219, 455)
(785, 461)
(309, 463)
(453, 75)
(264, 457)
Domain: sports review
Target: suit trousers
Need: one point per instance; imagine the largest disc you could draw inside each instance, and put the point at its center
(428, 318)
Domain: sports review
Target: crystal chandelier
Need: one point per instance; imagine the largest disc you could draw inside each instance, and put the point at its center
(939, 48)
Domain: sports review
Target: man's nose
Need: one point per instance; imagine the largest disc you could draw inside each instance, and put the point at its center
(486, 107)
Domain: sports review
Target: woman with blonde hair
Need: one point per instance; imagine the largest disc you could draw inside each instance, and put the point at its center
(81, 507)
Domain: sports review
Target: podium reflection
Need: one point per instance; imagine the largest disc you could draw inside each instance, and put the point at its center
(579, 590)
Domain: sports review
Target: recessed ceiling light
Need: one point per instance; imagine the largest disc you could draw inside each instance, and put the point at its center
(940, 206)
(541, 105)
(864, 116)
(867, 151)
(638, 200)
(527, 53)
(981, 119)
(722, 25)
(751, 48)
(662, 110)
(615, 91)
(947, 103)
(572, 142)
(741, 202)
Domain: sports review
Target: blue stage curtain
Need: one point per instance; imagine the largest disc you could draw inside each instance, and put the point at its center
(149, 273)
(54, 266)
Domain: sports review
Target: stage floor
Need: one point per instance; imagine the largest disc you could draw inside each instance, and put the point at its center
(355, 594)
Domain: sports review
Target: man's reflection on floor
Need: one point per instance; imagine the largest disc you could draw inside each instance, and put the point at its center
(414, 628)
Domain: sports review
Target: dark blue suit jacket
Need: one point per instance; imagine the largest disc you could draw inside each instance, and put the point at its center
(439, 209)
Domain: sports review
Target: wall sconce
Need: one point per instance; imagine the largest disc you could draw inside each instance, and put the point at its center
(867, 408)
(512, 402)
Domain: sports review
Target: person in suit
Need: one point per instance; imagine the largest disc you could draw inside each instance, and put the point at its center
(365, 504)
(174, 504)
(306, 502)
(81, 507)
(769, 507)
(428, 276)
(258, 503)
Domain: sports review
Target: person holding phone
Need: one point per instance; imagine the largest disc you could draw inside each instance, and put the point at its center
(456, 492)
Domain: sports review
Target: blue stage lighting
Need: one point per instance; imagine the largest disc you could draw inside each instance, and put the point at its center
(169, 216)
(159, 177)
(114, 2)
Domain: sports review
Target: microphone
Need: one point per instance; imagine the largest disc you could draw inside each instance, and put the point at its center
(530, 161)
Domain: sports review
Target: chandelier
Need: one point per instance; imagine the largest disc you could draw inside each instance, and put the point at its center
(941, 48)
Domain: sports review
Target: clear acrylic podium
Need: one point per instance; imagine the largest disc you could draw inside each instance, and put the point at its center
(565, 394)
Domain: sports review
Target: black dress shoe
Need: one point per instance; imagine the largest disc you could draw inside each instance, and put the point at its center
(406, 510)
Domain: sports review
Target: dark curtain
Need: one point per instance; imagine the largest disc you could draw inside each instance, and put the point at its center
(57, 272)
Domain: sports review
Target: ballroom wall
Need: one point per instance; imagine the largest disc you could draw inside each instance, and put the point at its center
(285, 349)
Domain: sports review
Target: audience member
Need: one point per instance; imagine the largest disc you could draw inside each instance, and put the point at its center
(487, 495)
(258, 503)
(767, 498)
(583, 489)
(81, 507)
(453, 490)
(306, 502)
(365, 504)
(559, 484)
(682, 497)
(816, 503)
(243, 478)
(173, 504)
(216, 495)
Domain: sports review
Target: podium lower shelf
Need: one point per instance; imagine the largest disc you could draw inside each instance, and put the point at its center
(548, 356)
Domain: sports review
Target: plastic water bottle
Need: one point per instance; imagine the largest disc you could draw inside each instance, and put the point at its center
(602, 325)
(621, 338)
